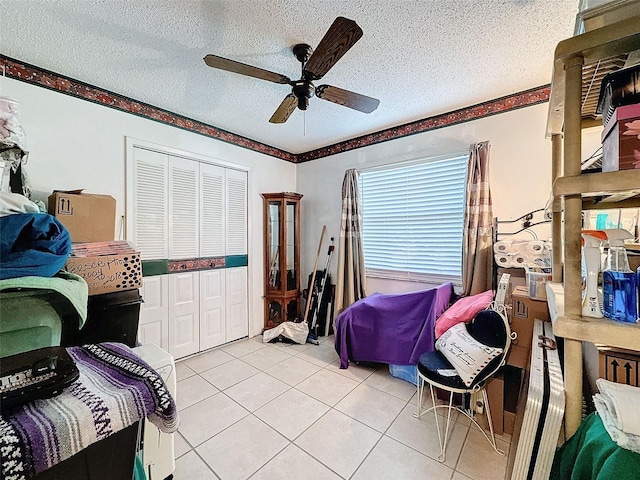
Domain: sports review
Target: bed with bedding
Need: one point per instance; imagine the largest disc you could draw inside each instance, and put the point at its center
(390, 328)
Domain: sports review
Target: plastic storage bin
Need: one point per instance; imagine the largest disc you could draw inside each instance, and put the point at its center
(112, 317)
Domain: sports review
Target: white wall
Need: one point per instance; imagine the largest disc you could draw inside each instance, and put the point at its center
(73, 143)
(77, 144)
(520, 174)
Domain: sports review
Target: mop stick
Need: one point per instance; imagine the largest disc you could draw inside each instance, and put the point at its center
(313, 276)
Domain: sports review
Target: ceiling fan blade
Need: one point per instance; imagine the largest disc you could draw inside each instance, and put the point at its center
(341, 36)
(284, 111)
(357, 101)
(244, 69)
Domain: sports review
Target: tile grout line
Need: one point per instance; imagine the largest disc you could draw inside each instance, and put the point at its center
(326, 366)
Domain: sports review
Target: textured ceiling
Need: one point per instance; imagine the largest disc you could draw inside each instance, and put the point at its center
(419, 58)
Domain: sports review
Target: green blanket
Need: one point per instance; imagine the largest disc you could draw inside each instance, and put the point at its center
(591, 455)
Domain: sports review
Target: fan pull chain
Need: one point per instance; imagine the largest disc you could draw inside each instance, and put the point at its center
(304, 123)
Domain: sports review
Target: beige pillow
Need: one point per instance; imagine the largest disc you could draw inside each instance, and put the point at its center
(466, 354)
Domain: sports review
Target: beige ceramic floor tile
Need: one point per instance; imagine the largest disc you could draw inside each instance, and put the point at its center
(294, 463)
(328, 340)
(191, 466)
(228, 374)
(243, 347)
(193, 390)
(319, 355)
(292, 348)
(183, 372)
(459, 476)
(326, 386)
(479, 461)
(382, 380)
(293, 371)
(242, 449)
(180, 445)
(354, 372)
(291, 413)
(371, 406)
(207, 360)
(421, 435)
(266, 357)
(391, 460)
(256, 391)
(205, 419)
(339, 442)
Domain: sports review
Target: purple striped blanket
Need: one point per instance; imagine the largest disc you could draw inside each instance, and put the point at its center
(116, 388)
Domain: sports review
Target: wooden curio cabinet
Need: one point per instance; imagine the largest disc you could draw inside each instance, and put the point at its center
(282, 258)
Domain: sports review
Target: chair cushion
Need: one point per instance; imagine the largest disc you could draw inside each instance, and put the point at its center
(431, 364)
(489, 327)
(467, 355)
(463, 311)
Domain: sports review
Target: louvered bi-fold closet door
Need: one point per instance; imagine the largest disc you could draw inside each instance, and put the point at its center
(236, 292)
(154, 312)
(236, 234)
(149, 233)
(150, 209)
(184, 289)
(184, 206)
(184, 314)
(212, 244)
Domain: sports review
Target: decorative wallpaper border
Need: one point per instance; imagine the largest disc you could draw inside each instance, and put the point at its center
(196, 264)
(475, 112)
(44, 78)
(75, 88)
(151, 268)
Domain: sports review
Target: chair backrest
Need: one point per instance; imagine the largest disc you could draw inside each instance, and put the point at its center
(491, 327)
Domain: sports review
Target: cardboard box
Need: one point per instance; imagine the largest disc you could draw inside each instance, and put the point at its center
(524, 310)
(619, 365)
(519, 357)
(503, 392)
(88, 217)
(108, 273)
(620, 139)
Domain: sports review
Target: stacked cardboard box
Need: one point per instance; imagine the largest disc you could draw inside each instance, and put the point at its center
(619, 365)
(524, 310)
(106, 266)
(87, 217)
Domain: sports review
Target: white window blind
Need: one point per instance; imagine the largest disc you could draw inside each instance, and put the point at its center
(413, 218)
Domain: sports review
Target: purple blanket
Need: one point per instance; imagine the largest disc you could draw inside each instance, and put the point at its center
(390, 328)
(116, 388)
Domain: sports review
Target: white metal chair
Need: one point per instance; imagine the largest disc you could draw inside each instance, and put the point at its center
(489, 327)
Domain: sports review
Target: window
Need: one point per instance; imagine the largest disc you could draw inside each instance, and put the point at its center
(413, 217)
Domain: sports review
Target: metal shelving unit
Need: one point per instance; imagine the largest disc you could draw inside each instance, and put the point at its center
(580, 63)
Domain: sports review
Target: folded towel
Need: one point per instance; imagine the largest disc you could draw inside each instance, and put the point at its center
(627, 441)
(622, 401)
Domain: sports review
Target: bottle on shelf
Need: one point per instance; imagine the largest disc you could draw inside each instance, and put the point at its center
(619, 283)
(591, 266)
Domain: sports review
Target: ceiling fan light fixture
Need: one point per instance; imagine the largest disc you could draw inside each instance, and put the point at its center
(341, 36)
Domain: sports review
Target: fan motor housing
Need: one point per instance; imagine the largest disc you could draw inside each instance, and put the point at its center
(303, 90)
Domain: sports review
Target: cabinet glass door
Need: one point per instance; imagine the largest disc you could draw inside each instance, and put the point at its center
(273, 242)
(292, 248)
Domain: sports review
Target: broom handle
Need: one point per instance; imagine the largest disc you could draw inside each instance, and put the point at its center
(313, 276)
